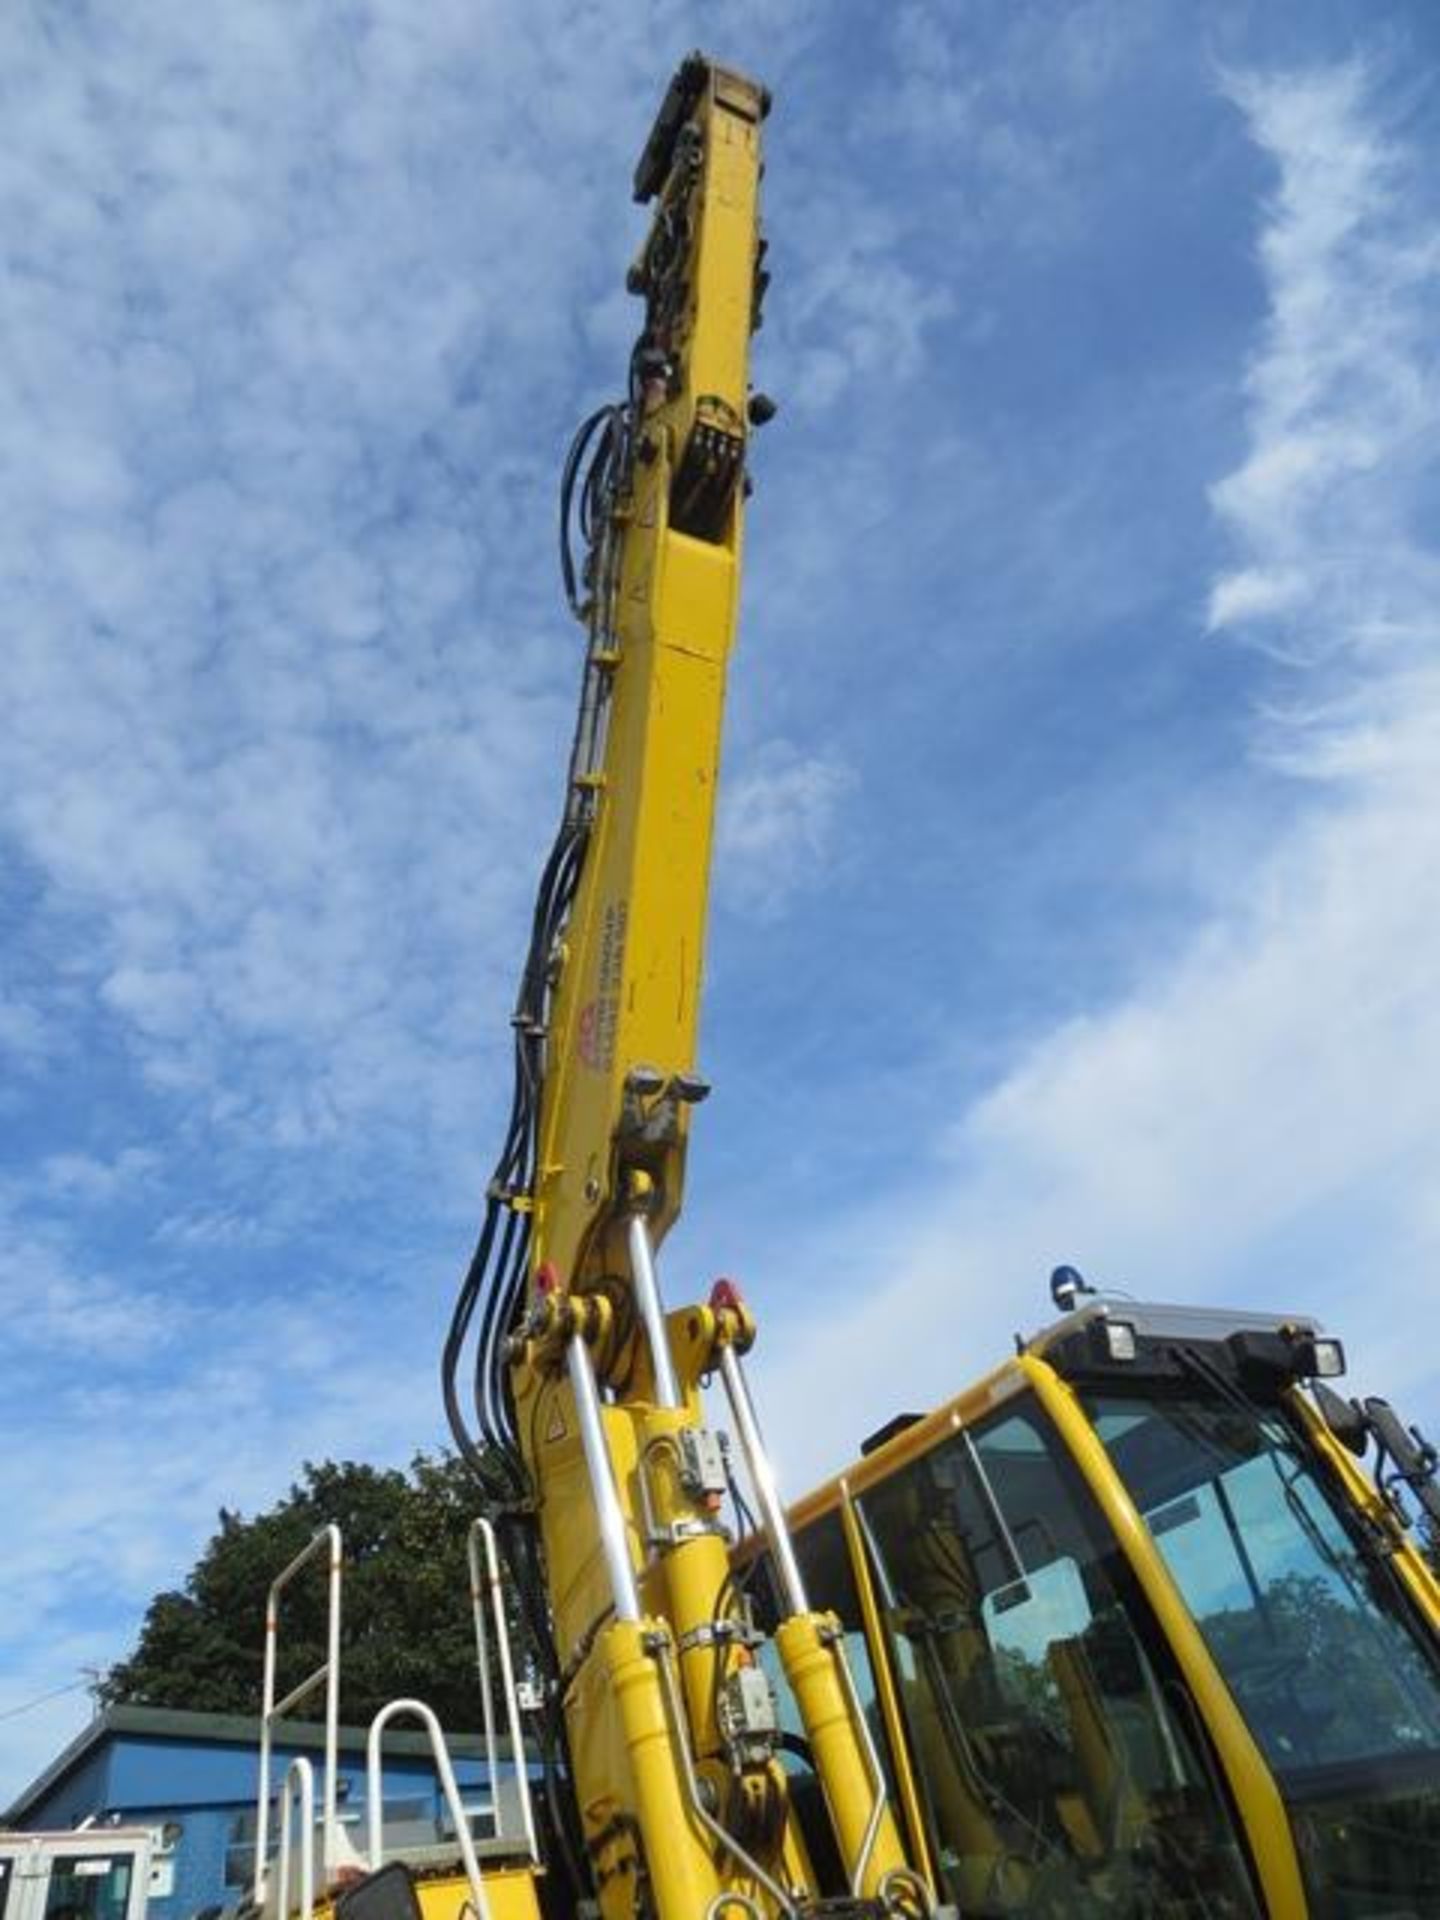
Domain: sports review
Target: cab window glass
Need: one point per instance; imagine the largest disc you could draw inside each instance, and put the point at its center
(1324, 1669)
(1051, 1740)
(1308, 1623)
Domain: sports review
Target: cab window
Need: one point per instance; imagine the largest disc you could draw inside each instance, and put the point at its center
(1310, 1627)
(1056, 1751)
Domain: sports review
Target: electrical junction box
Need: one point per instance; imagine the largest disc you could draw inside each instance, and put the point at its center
(702, 1463)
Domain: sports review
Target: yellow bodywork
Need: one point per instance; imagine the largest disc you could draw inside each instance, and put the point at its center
(1252, 1786)
(510, 1893)
(629, 987)
(924, 1765)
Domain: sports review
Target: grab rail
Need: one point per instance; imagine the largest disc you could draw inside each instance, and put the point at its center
(299, 1774)
(327, 1541)
(375, 1794)
(482, 1533)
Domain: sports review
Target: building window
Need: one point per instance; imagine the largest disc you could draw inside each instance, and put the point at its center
(239, 1850)
(240, 1834)
(398, 1811)
(240, 1865)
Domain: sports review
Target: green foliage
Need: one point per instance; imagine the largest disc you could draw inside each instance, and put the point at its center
(406, 1622)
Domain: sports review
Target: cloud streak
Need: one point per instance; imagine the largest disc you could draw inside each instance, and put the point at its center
(778, 826)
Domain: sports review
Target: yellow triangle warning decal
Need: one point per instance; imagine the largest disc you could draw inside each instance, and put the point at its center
(556, 1429)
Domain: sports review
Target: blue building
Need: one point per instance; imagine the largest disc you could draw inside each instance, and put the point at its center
(191, 1779)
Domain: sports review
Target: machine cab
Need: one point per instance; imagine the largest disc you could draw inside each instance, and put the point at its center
(90, 1874)
(1137, 1634)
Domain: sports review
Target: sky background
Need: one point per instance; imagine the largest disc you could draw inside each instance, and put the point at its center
(1078, 894)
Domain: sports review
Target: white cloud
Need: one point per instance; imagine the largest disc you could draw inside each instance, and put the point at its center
(23, 1030)
(1255, 1123)
(1009, 110)
(81, 1176)
(1251, 593)
(778, 817)
(201, 1227)
(56, 1305)
(859, 317)
(1342, 395)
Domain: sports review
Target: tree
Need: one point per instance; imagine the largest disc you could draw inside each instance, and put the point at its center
(406, 1619)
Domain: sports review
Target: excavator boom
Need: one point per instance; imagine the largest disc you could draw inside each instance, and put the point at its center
(593, 1436)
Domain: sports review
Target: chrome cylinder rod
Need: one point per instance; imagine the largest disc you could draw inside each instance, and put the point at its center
(602, 1481)
(652, 1313)
(772, 1514)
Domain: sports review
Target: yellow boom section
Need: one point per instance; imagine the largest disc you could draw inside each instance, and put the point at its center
(619, 1071)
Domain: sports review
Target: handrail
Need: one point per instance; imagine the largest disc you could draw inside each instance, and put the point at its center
(299, 1773)
(481, 1531)
(375, 1794)
(326, 1540)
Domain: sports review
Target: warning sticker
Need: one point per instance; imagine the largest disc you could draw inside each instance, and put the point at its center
(595, 1037)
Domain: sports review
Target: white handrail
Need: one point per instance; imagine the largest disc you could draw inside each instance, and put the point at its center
(299, 1773)
(327, 1539)
(481, 1531)
(375, 1794)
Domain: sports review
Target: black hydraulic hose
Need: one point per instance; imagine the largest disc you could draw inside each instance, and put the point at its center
(607, 423)
(491, 1301)
(490, 1417)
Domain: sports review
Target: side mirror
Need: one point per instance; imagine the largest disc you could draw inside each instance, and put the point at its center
(1344, 1419)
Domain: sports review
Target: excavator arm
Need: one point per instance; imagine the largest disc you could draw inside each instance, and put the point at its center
(593, 1445)
(658, 593)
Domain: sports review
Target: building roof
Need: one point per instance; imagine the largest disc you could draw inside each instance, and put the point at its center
(243, 1729)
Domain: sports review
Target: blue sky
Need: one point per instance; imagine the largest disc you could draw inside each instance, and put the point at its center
(1077, 892)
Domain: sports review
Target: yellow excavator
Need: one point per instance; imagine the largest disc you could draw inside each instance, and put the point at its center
(1126, 1629)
